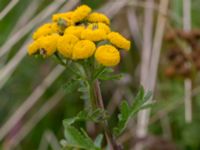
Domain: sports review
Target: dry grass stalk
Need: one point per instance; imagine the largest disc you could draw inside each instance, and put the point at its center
(188, 81)
(30, 101)
(152, 74)
(9, 68)
(8, 8)
(34, 120)
(29, 26)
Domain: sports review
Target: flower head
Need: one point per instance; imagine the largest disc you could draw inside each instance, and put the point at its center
(75, 30)
(83, 49)
(93, 34)
(99, 25)
(75, 34)
(81, 13)
(48, 44)
(98, 17)
(107, 55)
(118, 40)
(33, 48)
(65, 17)
(66, 44)
(43, 30)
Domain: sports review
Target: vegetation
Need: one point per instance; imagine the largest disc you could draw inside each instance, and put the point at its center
(143, 98)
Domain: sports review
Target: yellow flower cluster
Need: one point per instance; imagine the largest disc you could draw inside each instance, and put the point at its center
(77, 35)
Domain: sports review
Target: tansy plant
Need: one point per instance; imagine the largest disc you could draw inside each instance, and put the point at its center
(83, 42)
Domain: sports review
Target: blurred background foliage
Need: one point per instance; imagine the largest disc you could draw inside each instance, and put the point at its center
(167, 120)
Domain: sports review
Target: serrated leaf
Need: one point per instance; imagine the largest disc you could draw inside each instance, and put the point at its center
(78, 140)
(128, 112)
(103, 72)
(71, 85)
(84, 89)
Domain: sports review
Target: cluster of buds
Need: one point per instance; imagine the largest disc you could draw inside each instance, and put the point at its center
(183, 54)
(78, 35)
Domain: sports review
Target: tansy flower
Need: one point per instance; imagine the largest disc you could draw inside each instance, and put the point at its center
(83, 49)
(119, 41)
(43, 30)
(48, 44)
(66, 17)
(99, 26)
(98, 17)
(33, 48)
(66, 44)
(75, 30)
(93, 34)
(107, 55)
(81, 13)
(57, 29)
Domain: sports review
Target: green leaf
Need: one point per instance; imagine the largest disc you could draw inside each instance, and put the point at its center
(97, 115)
(98, 140)
(71, 85)
(102, 72)
(84, 89)
(78, 140)
(127, 112)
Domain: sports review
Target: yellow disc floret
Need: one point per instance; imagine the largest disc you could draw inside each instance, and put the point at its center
(48, 44)
(43, 30)
(107, 55)
(83, 49)
(66, 44)
(75, 30)
(66, 17)
(93, 34)
(119, 41)
(98, 17)
(33, 48)
(81, 13)
(100, 25)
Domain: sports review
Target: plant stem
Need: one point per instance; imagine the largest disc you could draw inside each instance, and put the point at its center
(99, 101)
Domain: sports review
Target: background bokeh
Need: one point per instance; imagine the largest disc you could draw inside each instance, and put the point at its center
(32, 89)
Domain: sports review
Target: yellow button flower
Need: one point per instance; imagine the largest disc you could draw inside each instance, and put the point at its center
(81, 13)
(67, 17)
(99, 25)
(48, 44)
(65, 45)
(83, 49)
(119, 41)
(75, 30)
(98, 17)
(93, 34)
(33, 48)
(107, 55)
(43, 30)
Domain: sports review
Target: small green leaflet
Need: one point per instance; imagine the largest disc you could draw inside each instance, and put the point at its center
(97, 115)
(71, 85)
(77, 139)
(127, 112)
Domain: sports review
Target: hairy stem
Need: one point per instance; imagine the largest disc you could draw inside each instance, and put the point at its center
(99, 101)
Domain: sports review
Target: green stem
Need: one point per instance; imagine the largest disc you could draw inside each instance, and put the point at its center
(67, 66)
(92, 96)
